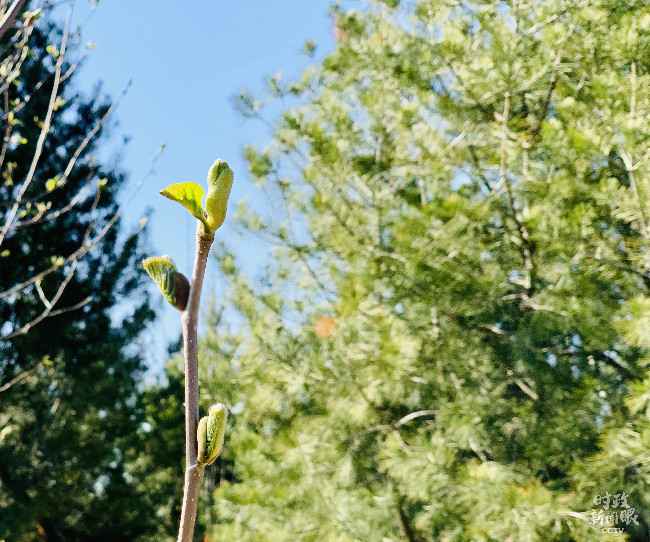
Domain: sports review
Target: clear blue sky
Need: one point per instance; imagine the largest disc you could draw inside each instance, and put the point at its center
(186, 60)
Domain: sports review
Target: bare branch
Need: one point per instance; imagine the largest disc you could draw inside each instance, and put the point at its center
(71, 308)
(42, 295)
(23, 330)
(414, 416)
(22, 103)
(43, 216)
(9, 18)
(17, 379)
(525, 248)
(50, 304)
(41, 138)
(636, 189)
(7, 134)
(71, 164)
(85, 247)
(87, 244)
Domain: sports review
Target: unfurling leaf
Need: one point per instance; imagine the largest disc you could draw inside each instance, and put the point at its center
(173, 285)
(189, 195)
(210, 434)
(220, 179)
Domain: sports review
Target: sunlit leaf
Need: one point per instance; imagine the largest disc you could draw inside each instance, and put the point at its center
(189, 195)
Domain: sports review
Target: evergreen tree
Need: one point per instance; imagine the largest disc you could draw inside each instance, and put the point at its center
(451, 340)
(71, 421)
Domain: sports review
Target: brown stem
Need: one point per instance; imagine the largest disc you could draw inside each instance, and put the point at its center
(190, 320)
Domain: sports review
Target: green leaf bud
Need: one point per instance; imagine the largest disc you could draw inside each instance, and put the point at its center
(189, 195)
(173, 285)
(220, 179)
(210, 434)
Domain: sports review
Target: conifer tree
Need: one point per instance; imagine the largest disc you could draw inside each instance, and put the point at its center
(451, 340)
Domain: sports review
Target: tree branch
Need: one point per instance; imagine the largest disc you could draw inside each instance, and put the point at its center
(408, 530)
(526, 249)
(189, 321)
(9, 17)
(74, 262)
(45, 129)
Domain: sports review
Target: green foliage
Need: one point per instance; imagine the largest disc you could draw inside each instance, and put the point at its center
(451, 340)
(172, 284)
(189, 195)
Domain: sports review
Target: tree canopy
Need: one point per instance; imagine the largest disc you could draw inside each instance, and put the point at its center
(450, 342)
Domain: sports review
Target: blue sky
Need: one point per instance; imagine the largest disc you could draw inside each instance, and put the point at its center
(186, 60)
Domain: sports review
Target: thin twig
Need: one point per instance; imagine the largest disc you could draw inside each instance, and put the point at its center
(525, 248)
(50, 304)
(71, 308)
(17, 379)
(414, 416)
(21, 102)
(189, 321)
(23, 330)
(9, 17)
(628, 162)
(86, 141)
(7, 134)
(41, 294)
(45, 129)
(85, 247)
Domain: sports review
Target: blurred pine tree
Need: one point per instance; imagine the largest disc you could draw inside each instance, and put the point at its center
(451, 341)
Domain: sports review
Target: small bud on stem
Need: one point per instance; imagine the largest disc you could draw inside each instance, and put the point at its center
(210, 434)
(172, 284)
(220, 179)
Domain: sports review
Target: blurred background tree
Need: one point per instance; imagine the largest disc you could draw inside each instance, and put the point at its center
(450, 342)
(76, 461)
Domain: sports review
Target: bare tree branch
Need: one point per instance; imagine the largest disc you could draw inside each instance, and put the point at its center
(525, 249)
(11, 215)
(17, 379)
(9, 17)
(51, 303)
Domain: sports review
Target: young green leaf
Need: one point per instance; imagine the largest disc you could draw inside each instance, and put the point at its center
(189, 195)
(210, 434)
(220, 179)
(172, 284)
